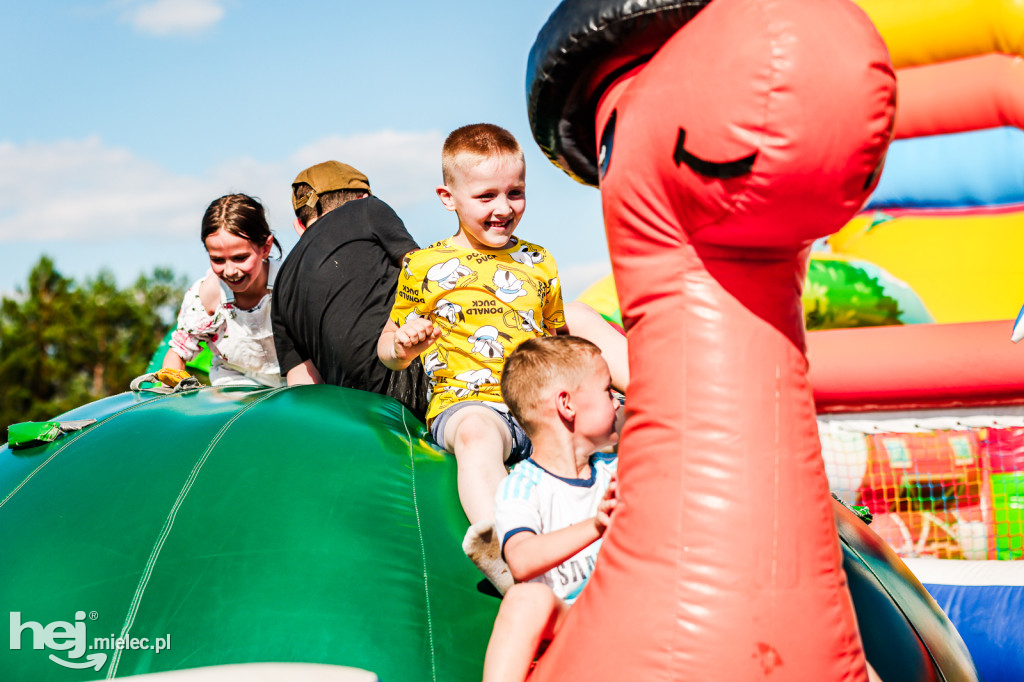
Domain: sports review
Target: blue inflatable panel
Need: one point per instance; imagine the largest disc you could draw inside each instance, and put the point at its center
(984, 600)
(980, 168)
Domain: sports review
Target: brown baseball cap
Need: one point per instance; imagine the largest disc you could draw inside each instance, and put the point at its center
(328, 176)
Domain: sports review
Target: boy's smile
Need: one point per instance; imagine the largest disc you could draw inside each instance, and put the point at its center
(489, 196)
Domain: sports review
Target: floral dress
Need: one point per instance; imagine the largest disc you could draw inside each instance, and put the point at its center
(242, 341)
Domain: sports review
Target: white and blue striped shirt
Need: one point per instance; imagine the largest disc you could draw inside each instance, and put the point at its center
(533, 500)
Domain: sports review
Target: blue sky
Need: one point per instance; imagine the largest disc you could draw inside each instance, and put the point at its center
(123, 119)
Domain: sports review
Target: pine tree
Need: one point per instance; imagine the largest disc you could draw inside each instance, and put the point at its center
(63, 345)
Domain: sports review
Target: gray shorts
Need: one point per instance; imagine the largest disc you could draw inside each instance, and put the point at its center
(521, 445)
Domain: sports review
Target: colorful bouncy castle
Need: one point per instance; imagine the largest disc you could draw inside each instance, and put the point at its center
(947, 214)
(840, 292)
(924, 427)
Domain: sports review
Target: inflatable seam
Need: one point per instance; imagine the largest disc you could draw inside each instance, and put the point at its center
(72, 439)
(165, 532)
(423, 550)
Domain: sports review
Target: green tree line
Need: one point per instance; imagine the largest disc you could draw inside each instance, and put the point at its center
(64, 344)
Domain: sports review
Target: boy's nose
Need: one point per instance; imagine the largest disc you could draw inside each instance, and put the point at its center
(502, 206)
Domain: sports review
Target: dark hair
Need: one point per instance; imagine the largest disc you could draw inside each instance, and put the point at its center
(326, 202)
(240, 215)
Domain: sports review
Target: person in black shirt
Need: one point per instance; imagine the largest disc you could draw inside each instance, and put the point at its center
(335, 288)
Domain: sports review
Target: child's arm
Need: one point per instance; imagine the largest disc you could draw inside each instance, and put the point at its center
(209, 293)
(303, 373)
(529, 555)
(173, 361)
(398, 346)
(191, 319)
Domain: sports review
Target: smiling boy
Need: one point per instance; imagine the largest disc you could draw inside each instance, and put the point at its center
(466, 302)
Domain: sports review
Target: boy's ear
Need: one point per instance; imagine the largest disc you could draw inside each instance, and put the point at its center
(563, 403)
(445, 194)
(299, 227)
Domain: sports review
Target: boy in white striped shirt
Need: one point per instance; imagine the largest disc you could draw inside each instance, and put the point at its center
(554, 507)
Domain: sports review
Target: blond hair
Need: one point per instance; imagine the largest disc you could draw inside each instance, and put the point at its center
(479, 140)
(538, 363)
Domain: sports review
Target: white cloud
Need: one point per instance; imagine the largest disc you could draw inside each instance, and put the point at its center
(81, 189)
(403, 167)
(89, 205)
(174, 17)
(86, 190)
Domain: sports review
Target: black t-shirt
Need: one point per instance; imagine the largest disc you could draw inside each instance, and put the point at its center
(335, 290)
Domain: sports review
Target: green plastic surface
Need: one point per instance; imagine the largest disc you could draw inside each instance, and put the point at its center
(306, 524)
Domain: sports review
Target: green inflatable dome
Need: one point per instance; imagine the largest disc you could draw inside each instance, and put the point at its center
(309, 524)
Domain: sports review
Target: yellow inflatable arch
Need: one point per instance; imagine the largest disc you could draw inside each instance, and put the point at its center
(962, 262)
(927, 31)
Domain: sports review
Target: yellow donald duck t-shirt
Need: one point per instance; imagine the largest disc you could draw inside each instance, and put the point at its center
(486, 304)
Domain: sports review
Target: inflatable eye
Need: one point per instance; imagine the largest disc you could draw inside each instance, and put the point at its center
(604, 154)
(725, 170)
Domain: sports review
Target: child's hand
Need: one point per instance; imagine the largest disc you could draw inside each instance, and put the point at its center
(607, 506)
(414, 337)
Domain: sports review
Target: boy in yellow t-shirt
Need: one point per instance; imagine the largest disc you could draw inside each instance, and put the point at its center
(464, 304)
